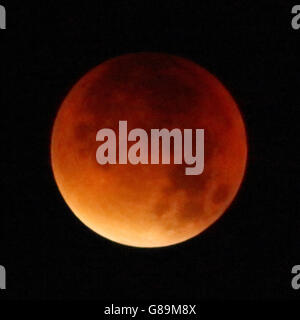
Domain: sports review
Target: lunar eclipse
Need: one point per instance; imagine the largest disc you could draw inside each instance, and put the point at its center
(148, 205)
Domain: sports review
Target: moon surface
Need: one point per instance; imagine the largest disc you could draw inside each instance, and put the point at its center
(148, 205)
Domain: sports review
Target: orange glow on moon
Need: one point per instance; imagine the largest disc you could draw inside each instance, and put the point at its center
(148, 205)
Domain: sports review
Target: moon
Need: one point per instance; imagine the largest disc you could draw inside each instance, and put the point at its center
(148, 205)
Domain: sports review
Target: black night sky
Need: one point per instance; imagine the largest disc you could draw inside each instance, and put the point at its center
(248, 254)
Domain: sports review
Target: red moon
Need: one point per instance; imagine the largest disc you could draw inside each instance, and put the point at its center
(148, 205)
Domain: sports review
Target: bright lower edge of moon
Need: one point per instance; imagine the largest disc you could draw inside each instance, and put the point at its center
(148, 205)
